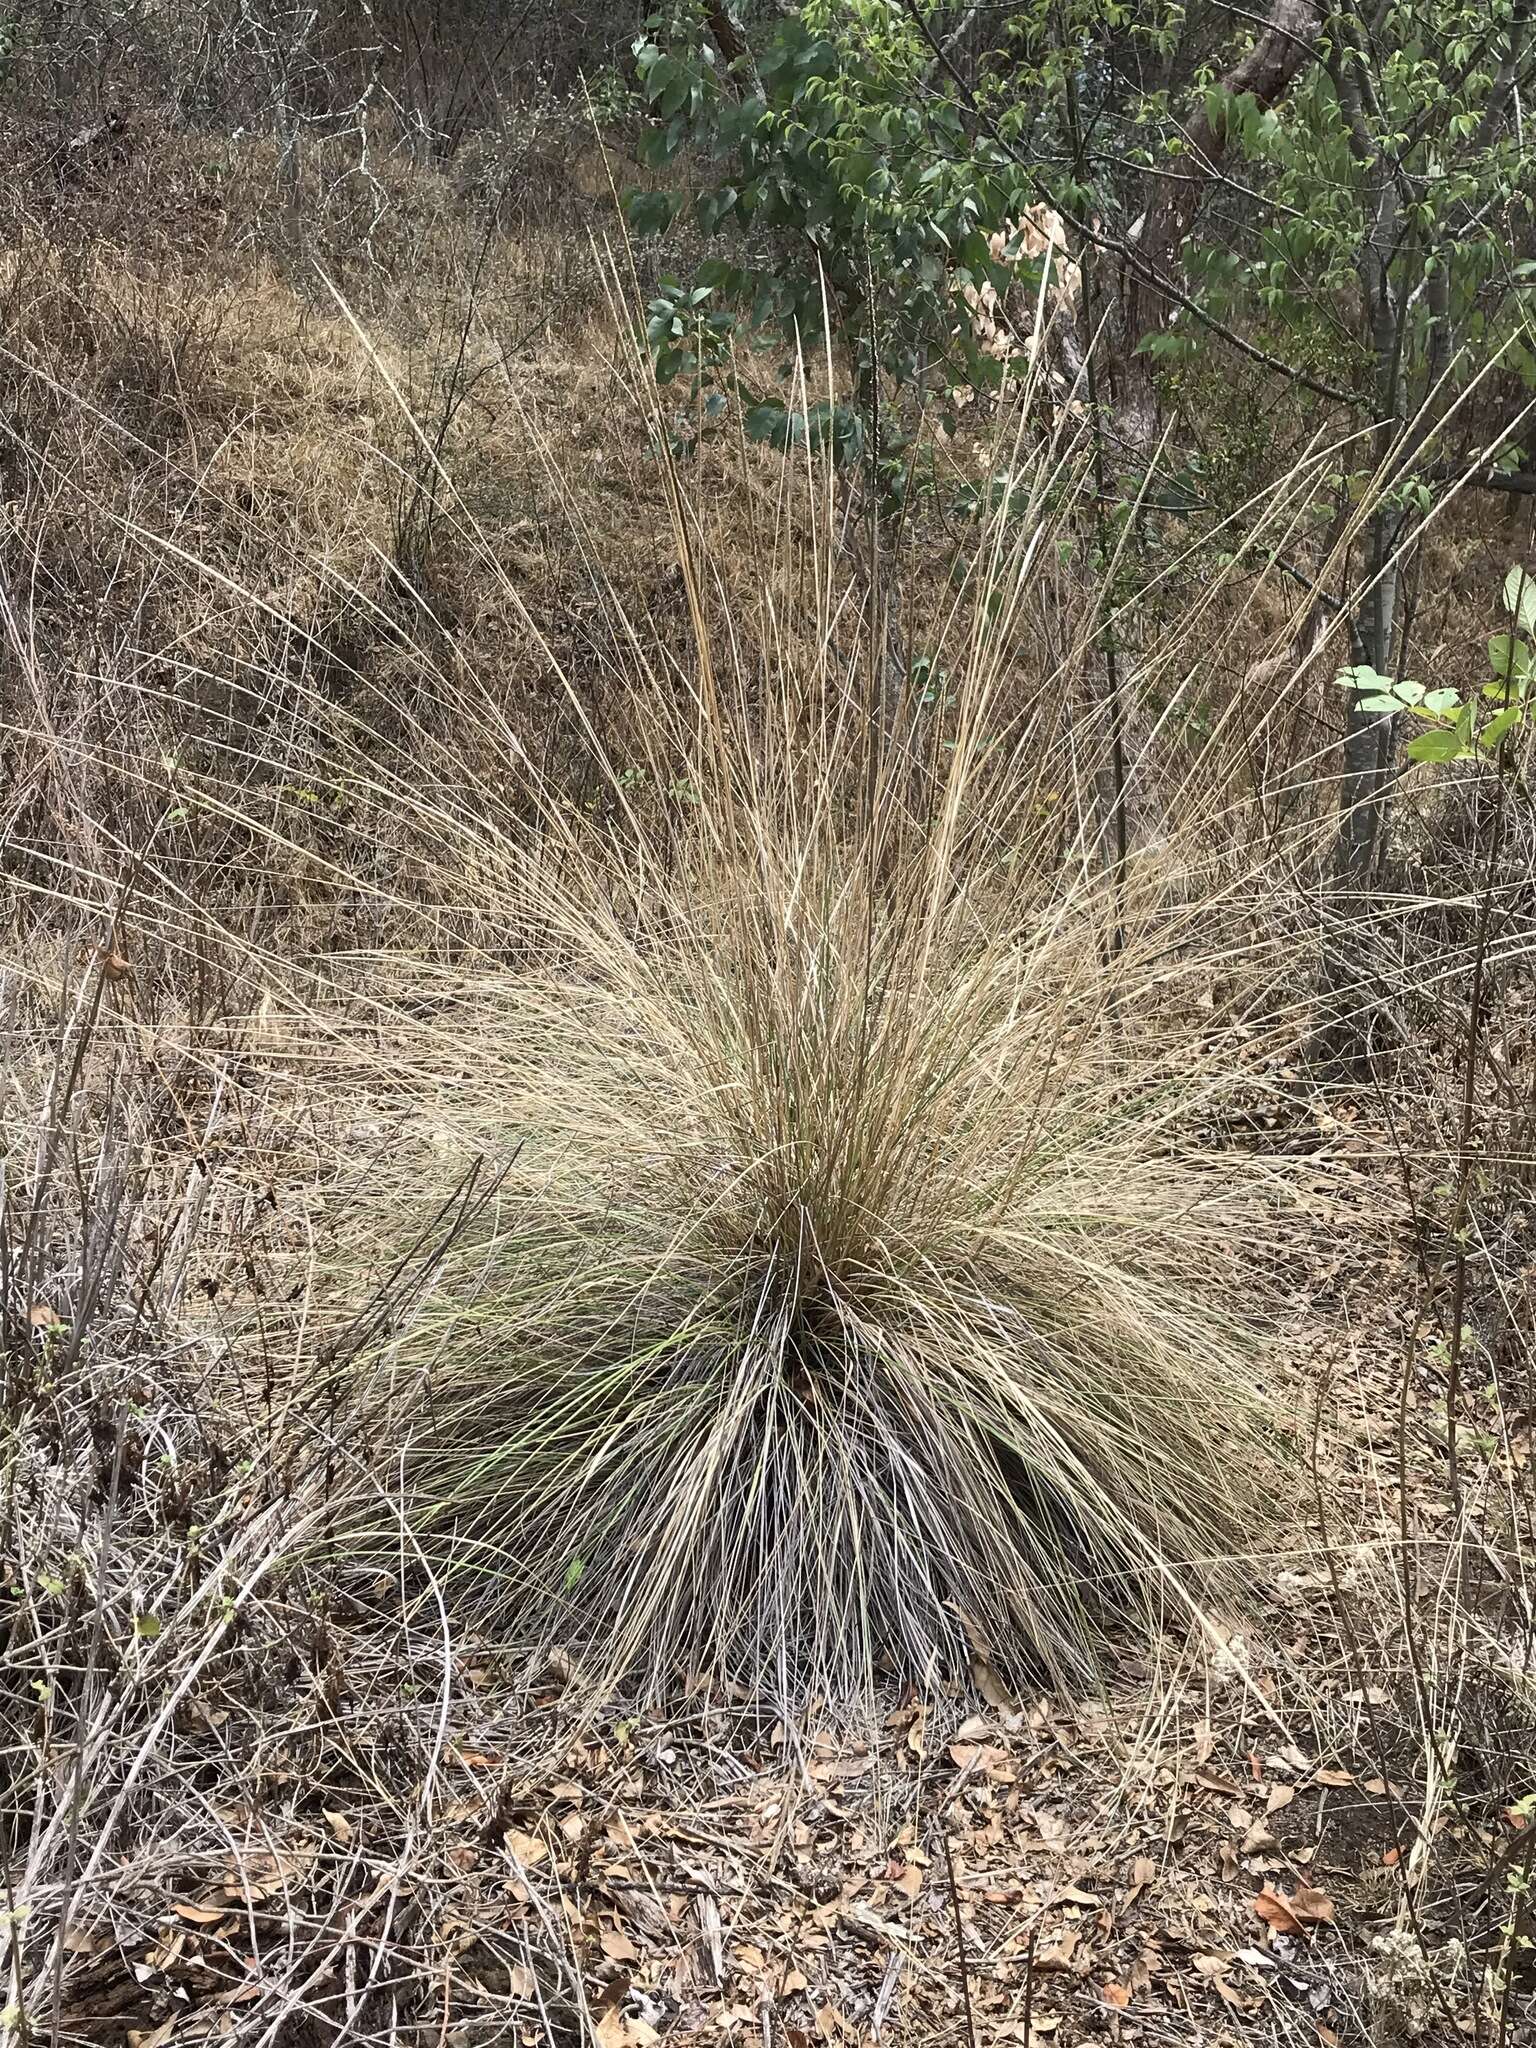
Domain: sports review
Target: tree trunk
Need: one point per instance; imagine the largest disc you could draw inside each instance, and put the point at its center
(1368, 735)
(726, 36)
(1285, 46)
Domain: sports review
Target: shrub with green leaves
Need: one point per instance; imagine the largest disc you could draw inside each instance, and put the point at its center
(860, 205)
(1462, 728)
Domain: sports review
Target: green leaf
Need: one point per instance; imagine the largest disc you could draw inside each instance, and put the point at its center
(659, 75)
(1437, 746)
(771, 421)
(1165, 346)
(1508, 656)
(656, 150)
(675, 96)
(1441, 703)
(710, 208)
(651, 213)
(1520, 598)
(146, 1627)
(722, 277)
(1497, 726)
(1363, 677)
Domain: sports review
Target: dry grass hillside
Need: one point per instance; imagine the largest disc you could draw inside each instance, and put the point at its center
(676, 1367)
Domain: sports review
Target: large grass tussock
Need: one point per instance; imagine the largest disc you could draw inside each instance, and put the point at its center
(859, 1296)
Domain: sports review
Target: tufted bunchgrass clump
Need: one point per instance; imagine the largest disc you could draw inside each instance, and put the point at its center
(858, 1295)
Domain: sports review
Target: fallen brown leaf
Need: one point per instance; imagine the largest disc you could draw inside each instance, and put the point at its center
(988, 1682)
(156, 2039)
(1274, 1909)
(1213, 1781)
(1313, 1908)
(985, 1675)
(613, 2030)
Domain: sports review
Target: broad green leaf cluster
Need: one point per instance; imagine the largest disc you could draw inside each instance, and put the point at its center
(1462, 728)
(856, 200)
